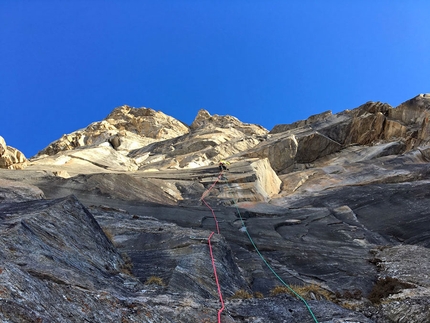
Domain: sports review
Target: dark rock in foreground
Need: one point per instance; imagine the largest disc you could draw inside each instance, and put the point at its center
(59, 266)
(112, 223)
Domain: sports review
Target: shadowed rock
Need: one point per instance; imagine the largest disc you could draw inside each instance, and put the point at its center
(58, 265)
(336, 202)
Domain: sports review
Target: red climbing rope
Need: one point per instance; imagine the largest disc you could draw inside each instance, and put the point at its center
(210, 245)
(216, 279)
(213, 214)
(256, 249)
(212, 186)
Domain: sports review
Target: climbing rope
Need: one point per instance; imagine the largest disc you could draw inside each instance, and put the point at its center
(213, 214)
(210, 245)
(253, 244)
(205, 193)
(268, 265)
(216, 278)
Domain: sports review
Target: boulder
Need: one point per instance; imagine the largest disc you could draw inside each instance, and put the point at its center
(11, 158)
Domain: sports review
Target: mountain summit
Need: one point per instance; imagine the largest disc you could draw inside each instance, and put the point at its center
(131, 220)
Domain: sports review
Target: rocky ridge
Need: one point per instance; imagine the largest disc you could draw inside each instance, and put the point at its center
(337, 203)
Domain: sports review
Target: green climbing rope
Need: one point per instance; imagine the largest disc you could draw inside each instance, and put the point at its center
(268, 265)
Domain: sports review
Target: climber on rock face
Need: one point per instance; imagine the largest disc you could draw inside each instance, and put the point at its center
(223, 165)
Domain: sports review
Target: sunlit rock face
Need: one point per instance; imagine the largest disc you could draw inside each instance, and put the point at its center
(336, 205)
(124, 128)
(11, 158)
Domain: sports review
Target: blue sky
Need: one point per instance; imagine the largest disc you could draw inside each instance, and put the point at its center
(65, 64)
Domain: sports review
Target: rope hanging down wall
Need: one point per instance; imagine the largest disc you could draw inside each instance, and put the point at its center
(210, 246)
(221, 176)
(268, 265)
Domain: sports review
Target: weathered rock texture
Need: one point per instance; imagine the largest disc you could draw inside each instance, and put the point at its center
(408, 264)
(11, 158)
(124, 128)
(336, 205)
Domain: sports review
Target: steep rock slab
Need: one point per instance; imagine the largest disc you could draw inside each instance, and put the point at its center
(97, 188)
(16, 191)
(398, 212)
(64, 163)
(83, 161)
(58, 266)
(311, 246)
(73, 239)
(179, 256)
(233, 234)
(304, 246)
(105, 157)
(254, 180)
(358, 166)
(197, 218)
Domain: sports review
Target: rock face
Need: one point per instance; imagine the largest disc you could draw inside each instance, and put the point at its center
(126, 220)
(124, 128)
(409, 264)
(59, 266)
(11, 158)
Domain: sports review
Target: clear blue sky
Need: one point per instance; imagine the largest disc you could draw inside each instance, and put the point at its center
(65, 64)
